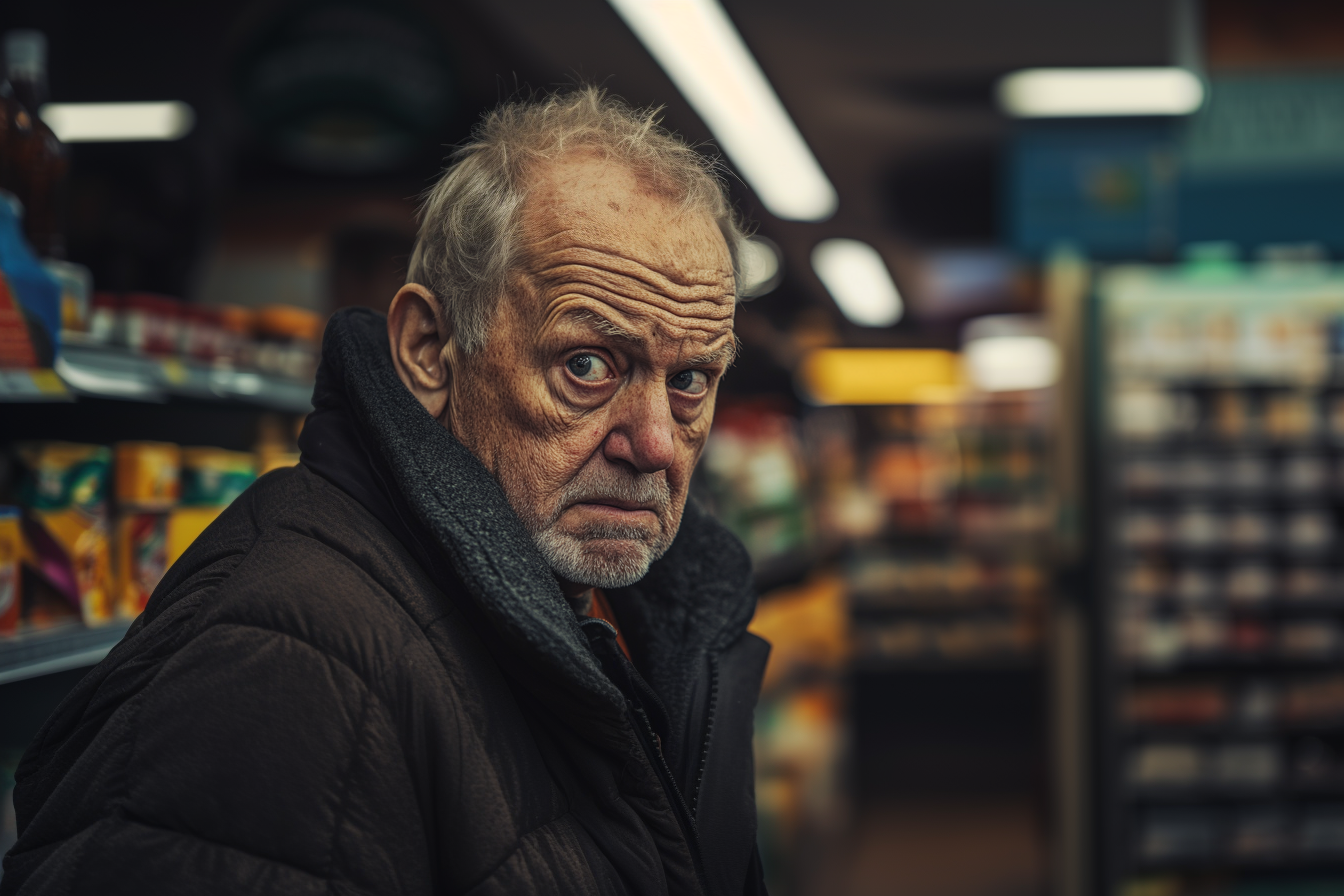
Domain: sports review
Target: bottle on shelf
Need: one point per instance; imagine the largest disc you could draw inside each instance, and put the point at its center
(35, 162)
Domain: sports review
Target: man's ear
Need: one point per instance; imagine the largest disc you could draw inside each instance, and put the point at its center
(417, 339)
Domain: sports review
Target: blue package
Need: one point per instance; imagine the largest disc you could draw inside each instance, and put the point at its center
(30, 298)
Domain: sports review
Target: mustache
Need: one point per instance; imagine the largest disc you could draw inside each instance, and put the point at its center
(602, 484)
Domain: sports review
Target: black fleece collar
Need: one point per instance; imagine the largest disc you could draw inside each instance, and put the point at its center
(370, 436)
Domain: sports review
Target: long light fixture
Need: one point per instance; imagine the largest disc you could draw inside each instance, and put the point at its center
(840, 376)
(1098, 92)
(1009, 353)
(118, 122)
(858, 279)
(696, 44)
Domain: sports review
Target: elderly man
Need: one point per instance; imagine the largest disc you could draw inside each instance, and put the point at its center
(477, 641)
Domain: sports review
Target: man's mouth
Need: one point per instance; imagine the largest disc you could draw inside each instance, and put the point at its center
(618, 504)
(617, 510)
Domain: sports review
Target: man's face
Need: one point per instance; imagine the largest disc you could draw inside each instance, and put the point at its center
(591, 401)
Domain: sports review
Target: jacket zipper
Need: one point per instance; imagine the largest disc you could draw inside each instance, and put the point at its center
(709, 734)
(687, 821)
(648, 739)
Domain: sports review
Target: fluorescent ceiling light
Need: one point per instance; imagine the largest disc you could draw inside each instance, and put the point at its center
(832, 376)
(762, 266)
(1011, 363)
(116, 122)
(696, 44)
(857, 278)
(1089, 92)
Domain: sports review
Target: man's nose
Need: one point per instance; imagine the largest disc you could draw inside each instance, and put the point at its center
(641, 434)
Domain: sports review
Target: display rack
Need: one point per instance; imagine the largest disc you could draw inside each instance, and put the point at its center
(67, 647)
(109, 372)
(1221, 614)
(957, 579)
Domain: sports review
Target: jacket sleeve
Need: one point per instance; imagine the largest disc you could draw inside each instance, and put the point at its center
(253, 763)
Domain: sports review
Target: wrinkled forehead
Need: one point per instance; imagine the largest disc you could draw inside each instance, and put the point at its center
(586, 205)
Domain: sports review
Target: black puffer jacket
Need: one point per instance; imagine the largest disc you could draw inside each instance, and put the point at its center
(364, 679)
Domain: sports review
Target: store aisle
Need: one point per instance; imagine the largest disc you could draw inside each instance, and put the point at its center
(938, 848)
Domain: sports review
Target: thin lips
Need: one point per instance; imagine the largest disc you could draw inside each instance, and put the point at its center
(618, 504)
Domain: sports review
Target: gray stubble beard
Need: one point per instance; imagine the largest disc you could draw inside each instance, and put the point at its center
(576, 557)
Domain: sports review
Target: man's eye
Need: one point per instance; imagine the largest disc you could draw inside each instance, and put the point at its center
(693, 381)
(589, 368)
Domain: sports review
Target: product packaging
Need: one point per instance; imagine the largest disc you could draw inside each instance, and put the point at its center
(141, 558)
(64, 495)
(147, 487)
(30, 300)
(11, 569)
(211, 479)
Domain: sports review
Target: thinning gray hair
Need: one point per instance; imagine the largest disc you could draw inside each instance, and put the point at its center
(467, 246)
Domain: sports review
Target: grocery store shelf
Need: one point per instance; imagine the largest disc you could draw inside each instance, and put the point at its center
(68, 647)
(105, 372)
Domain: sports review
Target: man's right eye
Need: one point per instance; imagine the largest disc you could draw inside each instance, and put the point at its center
(589, 368)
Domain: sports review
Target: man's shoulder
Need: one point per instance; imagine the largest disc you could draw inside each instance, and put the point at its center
(297, 556)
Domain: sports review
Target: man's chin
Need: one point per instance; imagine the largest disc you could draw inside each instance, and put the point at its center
(598, 562)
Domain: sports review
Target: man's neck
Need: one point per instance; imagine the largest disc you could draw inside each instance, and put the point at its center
(580, 597)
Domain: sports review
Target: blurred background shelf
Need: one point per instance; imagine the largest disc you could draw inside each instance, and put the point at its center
(105, 372)
(67, 647)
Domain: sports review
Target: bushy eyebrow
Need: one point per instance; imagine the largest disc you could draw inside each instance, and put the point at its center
(725, 356)
(606, 327)
(602, 325)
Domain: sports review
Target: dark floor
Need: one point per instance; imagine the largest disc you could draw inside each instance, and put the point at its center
(937, 848)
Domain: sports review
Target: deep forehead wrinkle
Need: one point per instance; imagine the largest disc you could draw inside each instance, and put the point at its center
(647, 321)
(565, 259)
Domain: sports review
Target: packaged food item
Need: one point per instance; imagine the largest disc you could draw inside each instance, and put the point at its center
(64, 494)
(1198, 528)
(76, 284)
(1249, 585)
(1246, 765)
(150, 323)
(1309, 531)
(1304, 474)
(142, 559)
(1250, 529)
(201, 335)
(213, 477)
(236, 349)
(287, 340)
(1248, 474)
(1143, 529)
(11, 569)
(105, 318)
(30, 300)
(1167, 765)
(1194, 587)
(147, 475)
(1310, 639)
(1315, 700)
(1176, 705)
(1306, 584)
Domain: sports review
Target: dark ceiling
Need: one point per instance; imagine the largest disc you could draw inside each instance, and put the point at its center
(894, 98)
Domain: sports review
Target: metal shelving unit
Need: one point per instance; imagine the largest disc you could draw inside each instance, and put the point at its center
(67, 647)
(86, 369)
(1220, 397)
